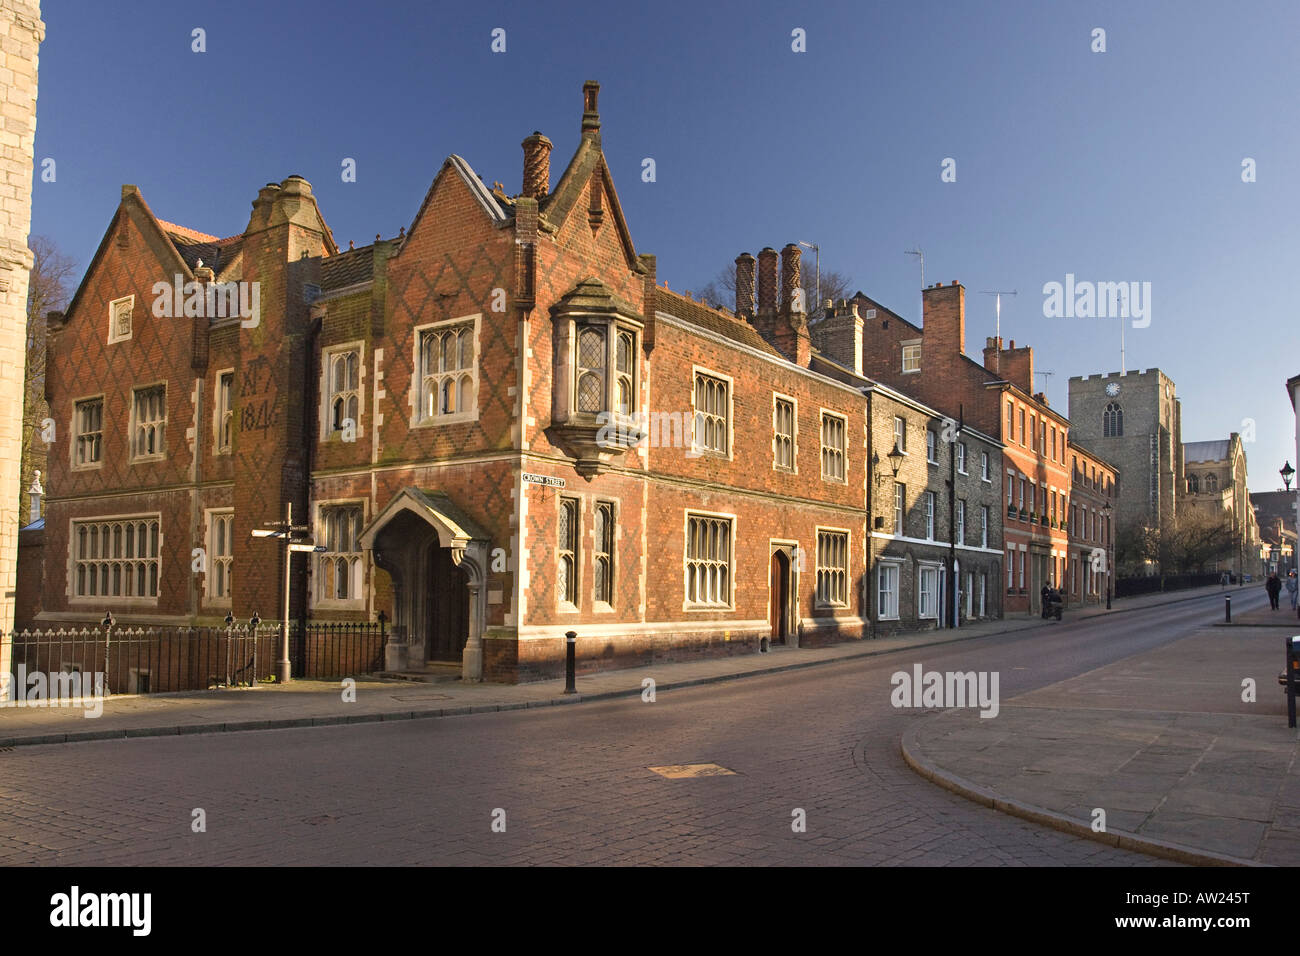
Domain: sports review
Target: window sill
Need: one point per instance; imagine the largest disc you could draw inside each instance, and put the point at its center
(434, 421)
(708, 607)
(148, 459)
(883, 617)
(568, 607)
(331, 604)
(602, 607)
(92, 601)
(91, 466)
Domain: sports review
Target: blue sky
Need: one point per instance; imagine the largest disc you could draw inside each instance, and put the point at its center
(1115, 166)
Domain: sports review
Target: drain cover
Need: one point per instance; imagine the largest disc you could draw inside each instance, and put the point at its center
(682, 771)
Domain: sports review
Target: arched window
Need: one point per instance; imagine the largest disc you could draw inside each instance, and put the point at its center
(1211, 482)
(1112, 421)
(1193, 484)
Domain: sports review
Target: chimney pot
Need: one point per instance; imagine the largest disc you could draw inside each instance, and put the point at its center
(767, 280)
(537, 166)
(744, 284)
(790, 281)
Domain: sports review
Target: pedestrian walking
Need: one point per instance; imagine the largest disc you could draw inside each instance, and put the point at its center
(1292, 588)
(1274, 587)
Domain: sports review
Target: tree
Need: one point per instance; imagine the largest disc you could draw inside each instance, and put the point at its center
(1202, 538)
(720, 291)
(49, 289)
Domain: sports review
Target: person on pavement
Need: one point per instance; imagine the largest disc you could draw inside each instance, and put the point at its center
(1274, 587)
(1292, 587)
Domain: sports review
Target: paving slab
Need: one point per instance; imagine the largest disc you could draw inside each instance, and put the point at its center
(1185, 762)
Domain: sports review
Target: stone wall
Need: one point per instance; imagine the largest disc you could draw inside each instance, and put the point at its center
(21, 32)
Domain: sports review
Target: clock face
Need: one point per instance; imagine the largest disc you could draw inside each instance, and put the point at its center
(1112, 389)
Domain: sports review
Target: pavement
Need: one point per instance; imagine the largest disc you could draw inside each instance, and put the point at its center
(322, 703)
(1182, 751)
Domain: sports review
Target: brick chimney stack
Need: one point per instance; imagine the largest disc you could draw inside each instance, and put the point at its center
(838, 336)
(992, 346)
(943, 321)
(767, 281)
(744, 285)
(1014, 365)
(537, 166)
(790, 284)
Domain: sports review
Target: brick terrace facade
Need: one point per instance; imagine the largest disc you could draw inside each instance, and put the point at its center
(1094, 494)
(996, 397)
(497, 424)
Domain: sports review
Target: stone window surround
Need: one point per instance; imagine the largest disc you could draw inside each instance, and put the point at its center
(76, 432)
(100, 599)
(318, 535)
(818, 531)
(218, 413)
(698, 450)
(687, 515)
(794, 433)
(161, 453)
(416, 396)
(328, 354)
(209, 529)
(829, 413)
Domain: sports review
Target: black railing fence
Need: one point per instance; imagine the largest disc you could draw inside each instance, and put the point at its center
(166, 659)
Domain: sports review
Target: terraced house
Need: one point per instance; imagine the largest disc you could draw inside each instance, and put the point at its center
(996, 397)
(496, 426)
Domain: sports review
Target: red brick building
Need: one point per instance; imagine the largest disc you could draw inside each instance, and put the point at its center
(497, 424)
(995, 396)
(1093, 500)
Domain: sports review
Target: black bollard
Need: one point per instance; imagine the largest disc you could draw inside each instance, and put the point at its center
(570, 662)
(1227, 610)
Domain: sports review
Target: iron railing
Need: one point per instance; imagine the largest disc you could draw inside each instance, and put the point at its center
(167, 659)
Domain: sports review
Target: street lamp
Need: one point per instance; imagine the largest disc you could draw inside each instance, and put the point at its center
(1110, 537)
(895, 458)
(1286, 472)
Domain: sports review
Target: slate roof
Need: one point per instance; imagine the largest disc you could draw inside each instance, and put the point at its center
(1205, 450)
(193, 245)
(697, 313)
(350, 267)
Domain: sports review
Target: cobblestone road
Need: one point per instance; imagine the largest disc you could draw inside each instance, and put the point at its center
(573, 782)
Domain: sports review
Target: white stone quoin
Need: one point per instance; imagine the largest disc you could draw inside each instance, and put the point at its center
(21, 33)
